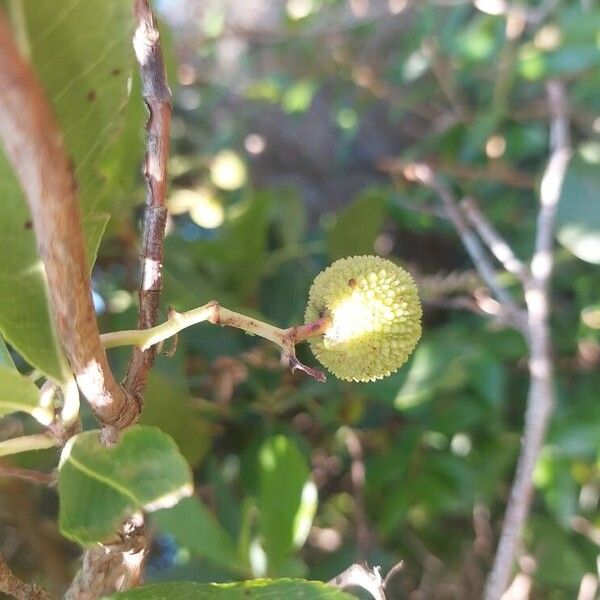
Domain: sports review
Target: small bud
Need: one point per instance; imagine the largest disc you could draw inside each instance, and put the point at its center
(375, 317)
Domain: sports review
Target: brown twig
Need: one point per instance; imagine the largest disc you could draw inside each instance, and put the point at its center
(118, 566)
(157, 96)
(34, 147)
(360, 576)
(541, 396)
(533, 323)
(36, 477)
(13, 586)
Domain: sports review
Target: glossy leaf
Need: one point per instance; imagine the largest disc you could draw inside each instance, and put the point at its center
(98, 485)
(20, 394)
(287, 498)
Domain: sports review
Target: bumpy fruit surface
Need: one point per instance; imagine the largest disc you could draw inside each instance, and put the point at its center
(375, 317)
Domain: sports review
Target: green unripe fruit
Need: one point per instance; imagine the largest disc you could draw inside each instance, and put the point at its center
(375, 317)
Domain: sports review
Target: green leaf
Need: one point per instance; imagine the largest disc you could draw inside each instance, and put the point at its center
(259, 589)
(5, 357)
(356, 227)
(98, 485)
(287, 498)
(557, 569)
(19, 394)
(196, 528)
(85, 77)
(237, 256)
(578, 218)
(443, 362)
(167, 405)
(290, 216)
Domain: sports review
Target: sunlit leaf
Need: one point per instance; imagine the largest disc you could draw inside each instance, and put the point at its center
(19, 394)
(287, 498)
(98, 485)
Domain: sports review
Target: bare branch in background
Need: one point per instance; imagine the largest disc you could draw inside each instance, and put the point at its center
(495, 242)
(157, 96)
(494, 171)
(34, 147)
(424, 174)
(533, 322)
(541, 397)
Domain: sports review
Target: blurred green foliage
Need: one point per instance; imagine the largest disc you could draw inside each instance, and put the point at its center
(320, 110)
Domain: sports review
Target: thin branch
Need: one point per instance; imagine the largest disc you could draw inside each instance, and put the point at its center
(493, 171)
(157, 96)
(36, 477)
(14, 587)
(541, 397)
(425, 175)
(34, 147)
(494, 241)
(216, 314)
(118, 566)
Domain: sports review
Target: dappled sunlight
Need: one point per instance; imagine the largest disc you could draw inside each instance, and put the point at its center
(355, 317)
(228, 170)
(202, 204)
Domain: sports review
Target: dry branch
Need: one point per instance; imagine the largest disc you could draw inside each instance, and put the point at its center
(118, 566)
(424, 174)
(541, 396)
(35, 150)
(157, 96)
(533, 322)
